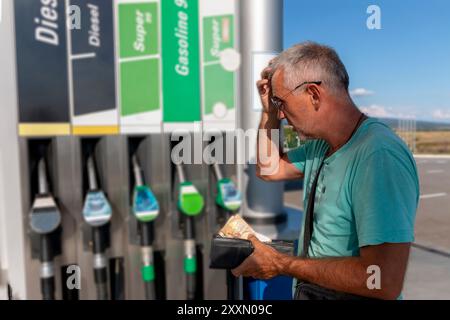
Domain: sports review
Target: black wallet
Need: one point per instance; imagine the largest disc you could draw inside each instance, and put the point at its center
(229, 253)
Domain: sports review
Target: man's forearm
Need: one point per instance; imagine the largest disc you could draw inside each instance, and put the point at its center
(268, 154)
(348, 274)
(269, 121)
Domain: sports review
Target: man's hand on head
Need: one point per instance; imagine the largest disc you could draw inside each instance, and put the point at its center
(265, 89)
(264, 263)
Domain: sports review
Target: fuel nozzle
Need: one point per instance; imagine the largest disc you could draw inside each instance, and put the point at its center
(97, 213)
(190, 201)
(190, 204)
(229, 200)
(145, 204)
(97, 210)
(228, 196)
(145, 208)
(45, 218)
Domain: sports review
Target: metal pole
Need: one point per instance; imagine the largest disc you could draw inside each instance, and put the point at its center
(92, 179)
(217, 171)
(261, 31)
(42, 177)
(137, 171)
(180, 172)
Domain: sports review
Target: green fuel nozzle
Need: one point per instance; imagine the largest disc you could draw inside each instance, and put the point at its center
(190, 204)
(190, 201)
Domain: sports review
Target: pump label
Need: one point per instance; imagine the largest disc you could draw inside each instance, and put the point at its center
(181, 61)
(42, 76)
(139, 66)
(93, 68)
(220, 61)
(218, 70)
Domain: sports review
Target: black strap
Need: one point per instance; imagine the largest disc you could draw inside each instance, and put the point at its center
(309, 219)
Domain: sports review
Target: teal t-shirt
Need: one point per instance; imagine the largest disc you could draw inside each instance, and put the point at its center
(367, 192)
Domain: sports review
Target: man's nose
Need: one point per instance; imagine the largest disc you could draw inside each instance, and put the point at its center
(281, 115)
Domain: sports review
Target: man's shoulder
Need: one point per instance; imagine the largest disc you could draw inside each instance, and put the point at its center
(379, 137)
(381, 146)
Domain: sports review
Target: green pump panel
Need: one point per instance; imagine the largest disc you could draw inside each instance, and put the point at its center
(220, 61)
(139, 64)
(181, 63)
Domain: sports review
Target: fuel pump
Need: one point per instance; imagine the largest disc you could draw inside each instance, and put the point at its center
(190, 204)
(145, 208)
(228, 201)
(45, 218)
(97, 213)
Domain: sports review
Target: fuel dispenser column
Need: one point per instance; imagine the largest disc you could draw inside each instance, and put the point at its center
(146, 209)
(190, 204)
(45, 218)
(97, 213)
(261, 38)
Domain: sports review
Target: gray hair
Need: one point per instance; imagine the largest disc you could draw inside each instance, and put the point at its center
(310, 61)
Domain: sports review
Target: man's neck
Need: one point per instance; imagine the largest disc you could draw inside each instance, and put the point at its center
(341, 127)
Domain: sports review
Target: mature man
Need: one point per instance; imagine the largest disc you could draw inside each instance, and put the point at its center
(360, 218)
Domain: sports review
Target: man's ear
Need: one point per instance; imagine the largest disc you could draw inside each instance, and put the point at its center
(314, 95)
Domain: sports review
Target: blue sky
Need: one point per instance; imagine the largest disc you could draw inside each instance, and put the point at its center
(404, 68)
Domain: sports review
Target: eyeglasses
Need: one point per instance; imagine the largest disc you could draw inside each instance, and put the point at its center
(279, 102)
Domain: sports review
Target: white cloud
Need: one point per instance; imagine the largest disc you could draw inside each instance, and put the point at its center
(361, 92)
(379, 111)
(441, 114)
(376, 110)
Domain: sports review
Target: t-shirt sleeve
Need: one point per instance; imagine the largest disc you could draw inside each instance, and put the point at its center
(297, 157)
(384, 199)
